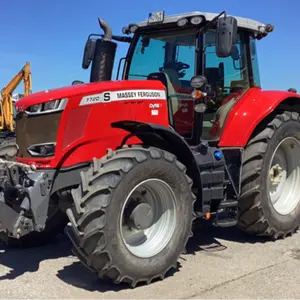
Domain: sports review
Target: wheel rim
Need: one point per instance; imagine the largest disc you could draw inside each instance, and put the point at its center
(148, 218)
(284, 176)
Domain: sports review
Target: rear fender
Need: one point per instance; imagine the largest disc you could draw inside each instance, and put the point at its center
(166, 139)
(249, 111)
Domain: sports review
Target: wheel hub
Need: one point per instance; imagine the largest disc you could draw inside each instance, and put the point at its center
(148, 218)
(275, 174)
(141, 216)
(284, 176)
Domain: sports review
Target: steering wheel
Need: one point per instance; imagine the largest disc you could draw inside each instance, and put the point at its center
(182, 66)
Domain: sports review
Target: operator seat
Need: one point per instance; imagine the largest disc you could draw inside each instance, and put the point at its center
(173, 77)
(169, 78)
(237, 85)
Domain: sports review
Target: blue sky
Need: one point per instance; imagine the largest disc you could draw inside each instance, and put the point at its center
(51, 35)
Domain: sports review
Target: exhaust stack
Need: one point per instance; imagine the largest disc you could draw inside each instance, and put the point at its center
(104, 55)
(101, 53)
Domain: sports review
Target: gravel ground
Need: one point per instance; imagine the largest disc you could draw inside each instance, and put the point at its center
(220, 263)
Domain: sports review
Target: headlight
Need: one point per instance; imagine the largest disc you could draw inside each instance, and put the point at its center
(47, 107)
(42, 150)
(35, 108)
(50, 105)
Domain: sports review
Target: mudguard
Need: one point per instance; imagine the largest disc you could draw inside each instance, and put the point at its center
(249, 111)
(164, 138)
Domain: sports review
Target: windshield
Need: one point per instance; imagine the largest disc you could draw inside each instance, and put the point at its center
(163, 52)
(173, 54)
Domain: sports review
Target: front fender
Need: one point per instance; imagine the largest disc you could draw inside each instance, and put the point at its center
(151, 134)
(251, 109)
(165, 138)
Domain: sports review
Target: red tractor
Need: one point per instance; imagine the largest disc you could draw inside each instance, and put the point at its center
(187, 134)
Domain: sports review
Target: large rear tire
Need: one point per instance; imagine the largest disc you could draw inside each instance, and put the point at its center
(133, 215)
(269, 204)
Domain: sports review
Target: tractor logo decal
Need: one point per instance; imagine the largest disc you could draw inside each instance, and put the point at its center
(123, 95)
(154, 108)
(154, 105)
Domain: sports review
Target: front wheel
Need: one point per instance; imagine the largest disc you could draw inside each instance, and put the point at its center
(132, 215)
(270, 200)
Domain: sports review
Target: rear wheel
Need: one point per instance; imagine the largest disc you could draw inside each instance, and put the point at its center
(133, 215)
(270, 200)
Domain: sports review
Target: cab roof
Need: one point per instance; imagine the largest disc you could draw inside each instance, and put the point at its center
(245, 23)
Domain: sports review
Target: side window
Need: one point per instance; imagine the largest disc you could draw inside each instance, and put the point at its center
(255, 69)
(182, 102)
(227, 78)
(186, 54)
(223, 72)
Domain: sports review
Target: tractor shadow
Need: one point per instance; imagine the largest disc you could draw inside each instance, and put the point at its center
(21, 261)
(77, 275)
(28, 260)
(206, 238)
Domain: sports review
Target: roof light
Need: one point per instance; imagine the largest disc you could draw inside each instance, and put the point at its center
(182, 22)
(125, 30)
(196, 20)
(133, 28)
(269, 28)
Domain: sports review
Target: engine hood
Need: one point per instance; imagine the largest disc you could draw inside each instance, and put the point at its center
(86, 89)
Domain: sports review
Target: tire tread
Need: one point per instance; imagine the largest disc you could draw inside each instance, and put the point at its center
(97, 257)
(251, 217)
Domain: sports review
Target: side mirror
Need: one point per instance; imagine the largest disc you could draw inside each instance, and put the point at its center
(88, 53)
(198, 82)
(225, 35)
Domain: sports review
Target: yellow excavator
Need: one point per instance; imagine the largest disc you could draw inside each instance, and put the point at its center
(8, 111)
(7, 104)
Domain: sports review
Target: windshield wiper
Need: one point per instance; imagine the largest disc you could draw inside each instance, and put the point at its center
(208, 25)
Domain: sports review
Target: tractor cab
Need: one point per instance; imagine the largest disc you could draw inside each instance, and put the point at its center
(216, 50)
(175, 49)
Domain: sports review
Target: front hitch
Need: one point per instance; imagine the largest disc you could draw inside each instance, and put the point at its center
(24, 198)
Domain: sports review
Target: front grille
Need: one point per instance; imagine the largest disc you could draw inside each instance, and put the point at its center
(36, 129)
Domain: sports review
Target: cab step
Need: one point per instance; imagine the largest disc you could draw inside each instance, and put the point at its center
(228, 204)
(227, 214)
(225, 222)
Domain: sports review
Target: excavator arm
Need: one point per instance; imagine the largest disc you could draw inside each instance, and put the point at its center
(7, 111)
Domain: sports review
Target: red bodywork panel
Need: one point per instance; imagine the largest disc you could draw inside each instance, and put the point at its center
(84, 131)
(252, 108)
